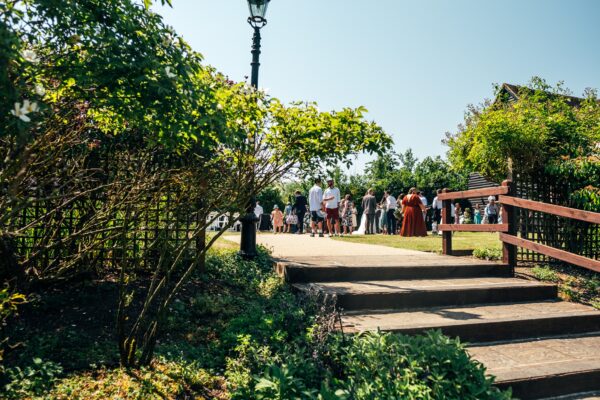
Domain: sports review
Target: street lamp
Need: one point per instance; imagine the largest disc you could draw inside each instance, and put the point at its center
(258, 9)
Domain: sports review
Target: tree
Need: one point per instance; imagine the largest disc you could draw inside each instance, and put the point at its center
(434, 173)
(270, 197)
(541, 128)
(104, 91)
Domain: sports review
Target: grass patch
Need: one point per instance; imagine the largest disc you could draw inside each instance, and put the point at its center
(463, 241)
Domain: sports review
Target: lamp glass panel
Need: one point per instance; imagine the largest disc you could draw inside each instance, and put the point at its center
(258, 8)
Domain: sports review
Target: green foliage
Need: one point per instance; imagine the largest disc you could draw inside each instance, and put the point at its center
(279, 383)
(488, 254)
(239, 332)
(574, 283)
(9, 301)
(545, 273)
(269, 197)
(34, 379)
(394, 172)
(311, 137)
(541, 128)
(383, 365)
(92, 80)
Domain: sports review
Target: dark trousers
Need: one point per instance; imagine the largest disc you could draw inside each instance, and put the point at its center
(300, 215)
(370, 226)
(391, 222)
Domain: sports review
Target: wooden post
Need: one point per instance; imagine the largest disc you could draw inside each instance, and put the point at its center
(509, 216)
(446, 235)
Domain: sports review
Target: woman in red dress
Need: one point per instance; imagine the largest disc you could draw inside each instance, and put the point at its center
(413, 223)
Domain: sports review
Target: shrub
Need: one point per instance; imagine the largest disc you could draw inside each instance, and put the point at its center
(384, 366)
(545, 273)
(432, 366)
(488, 254)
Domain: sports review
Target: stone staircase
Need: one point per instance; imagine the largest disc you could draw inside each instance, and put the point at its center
(530, 340)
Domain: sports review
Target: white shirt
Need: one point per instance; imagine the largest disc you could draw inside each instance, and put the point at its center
(391, 202)
(258, 210)
(423, 200)
(315, 197)
(332, 192)
(437, 204)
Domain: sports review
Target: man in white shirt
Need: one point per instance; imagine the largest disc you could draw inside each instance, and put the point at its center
(391, 205)
(424, 201)
(331, 198)
(258, 211)
(315, 201)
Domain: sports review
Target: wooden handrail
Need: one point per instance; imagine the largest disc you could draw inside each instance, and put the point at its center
(473, 227)
(466, 194)
(587, 216)
(553, 252)
(508, 230)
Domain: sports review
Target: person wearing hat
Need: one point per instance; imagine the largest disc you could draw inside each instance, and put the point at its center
(331, 198)
(277, 219)
(491, 211)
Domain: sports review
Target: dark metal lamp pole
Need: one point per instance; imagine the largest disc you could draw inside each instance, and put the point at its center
(258, 9)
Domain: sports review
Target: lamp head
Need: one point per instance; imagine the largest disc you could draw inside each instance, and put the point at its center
(258, 10)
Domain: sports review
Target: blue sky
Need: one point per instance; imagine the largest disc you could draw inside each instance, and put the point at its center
(414, 64)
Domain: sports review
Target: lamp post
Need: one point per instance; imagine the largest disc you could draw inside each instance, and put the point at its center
(258, 9)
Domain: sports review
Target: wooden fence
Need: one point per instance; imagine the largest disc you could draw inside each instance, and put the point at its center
(514, 230)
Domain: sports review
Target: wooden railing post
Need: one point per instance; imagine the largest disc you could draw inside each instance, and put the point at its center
(446, 235)
(509, 216)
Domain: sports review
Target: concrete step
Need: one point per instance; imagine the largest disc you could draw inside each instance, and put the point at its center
(411, 294)
(544, 368)
(483, 323)
(294, 272)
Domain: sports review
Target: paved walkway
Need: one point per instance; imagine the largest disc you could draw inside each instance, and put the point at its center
(325, 250)
(289, 245)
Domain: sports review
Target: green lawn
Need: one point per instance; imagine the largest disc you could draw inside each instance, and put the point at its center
(460, 241)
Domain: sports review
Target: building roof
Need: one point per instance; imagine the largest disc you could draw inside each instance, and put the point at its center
(514, 93)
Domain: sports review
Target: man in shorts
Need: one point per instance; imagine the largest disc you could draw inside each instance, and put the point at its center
(331, 198)
(315, 200)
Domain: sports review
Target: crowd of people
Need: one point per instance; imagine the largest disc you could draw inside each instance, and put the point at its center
(325, 211)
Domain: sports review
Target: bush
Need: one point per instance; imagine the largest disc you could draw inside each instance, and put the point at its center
(432, 366)
(545, 273)
(488, 254)
(384, 366)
